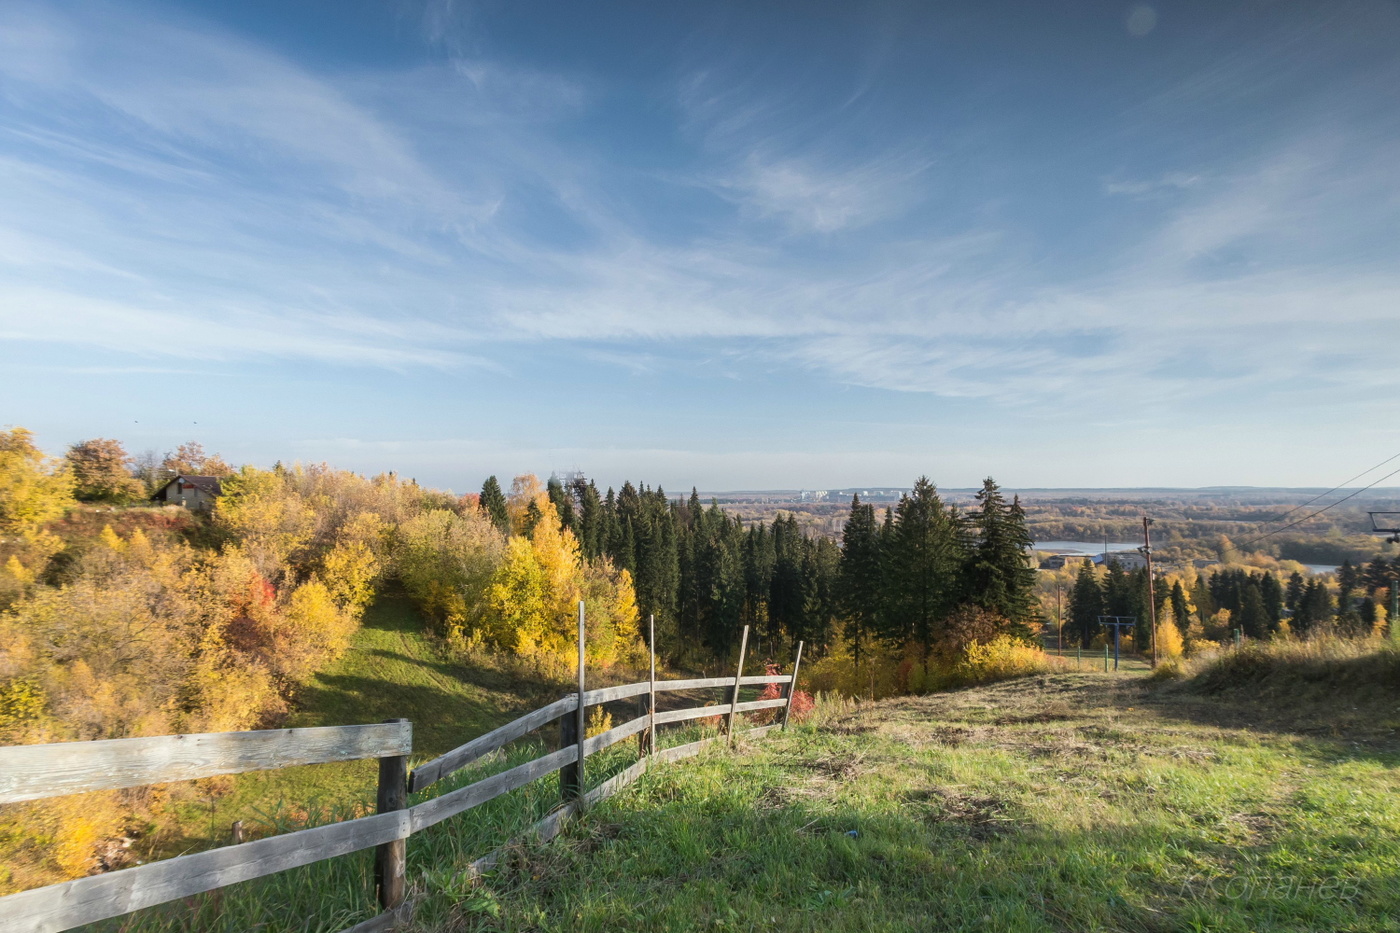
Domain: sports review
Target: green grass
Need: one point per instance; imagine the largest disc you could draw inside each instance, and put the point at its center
(1072, 801)
(392, 670)
(1068, 802)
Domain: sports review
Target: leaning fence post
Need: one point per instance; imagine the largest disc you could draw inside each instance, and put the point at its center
(738, 675)
(646, 742)
(389, 857)
(792, 687)
(573, 729)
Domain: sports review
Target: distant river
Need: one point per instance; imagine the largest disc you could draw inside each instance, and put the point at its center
(1082, 547)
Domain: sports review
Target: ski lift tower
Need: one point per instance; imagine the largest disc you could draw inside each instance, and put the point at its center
(1388, 523)
(1117, 623)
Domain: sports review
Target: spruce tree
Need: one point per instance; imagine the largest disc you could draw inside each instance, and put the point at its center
(1293, 593)
(758, 574)
(1271, 593)
(998, 577)
(1086, 604)
(493, 504)
(926, 560)
(657, 575)
(786, 596)
(1253, 621)
(563, 501)
(860, 576)
(592, 523)
(533, 516)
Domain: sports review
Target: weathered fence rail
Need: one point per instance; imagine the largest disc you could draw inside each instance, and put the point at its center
(33, 772)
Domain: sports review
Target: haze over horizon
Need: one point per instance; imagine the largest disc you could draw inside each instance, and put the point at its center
(731, 246)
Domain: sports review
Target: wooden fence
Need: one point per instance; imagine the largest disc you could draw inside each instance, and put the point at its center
(32, 772)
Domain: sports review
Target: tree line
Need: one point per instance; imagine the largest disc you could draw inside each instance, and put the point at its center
(926, 574)
(1258, 604)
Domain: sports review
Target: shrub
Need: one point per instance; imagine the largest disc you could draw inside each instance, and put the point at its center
(1002, 658)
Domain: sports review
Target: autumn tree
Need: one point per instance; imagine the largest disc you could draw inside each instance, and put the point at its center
(525, 489)
(190, 459)
(100, 470)
(34, 489)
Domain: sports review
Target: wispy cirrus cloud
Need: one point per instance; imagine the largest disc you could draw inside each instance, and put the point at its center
(166, 175)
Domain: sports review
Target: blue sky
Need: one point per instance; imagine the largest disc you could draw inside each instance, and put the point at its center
(736, 245)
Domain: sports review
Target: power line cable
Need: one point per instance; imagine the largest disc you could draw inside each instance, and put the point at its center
(1341, 485)
(1319, 511)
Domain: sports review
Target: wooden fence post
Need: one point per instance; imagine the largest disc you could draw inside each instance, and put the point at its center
(646, 739)
(651, 683)
(573, 729)
(792, 687)
(738, 674)
(390, 857)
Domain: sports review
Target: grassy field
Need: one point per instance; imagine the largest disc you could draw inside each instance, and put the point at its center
(392, 670)
(1261, 793)
(1076, 801)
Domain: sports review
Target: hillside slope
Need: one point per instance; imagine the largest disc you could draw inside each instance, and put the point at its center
(1071, 802)
(392, 670)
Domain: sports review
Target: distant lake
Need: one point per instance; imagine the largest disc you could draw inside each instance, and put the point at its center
(1082, 547)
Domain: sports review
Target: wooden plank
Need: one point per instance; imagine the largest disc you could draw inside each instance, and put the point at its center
(694, 712)
(750, 680)
(88, 900)
(431, 812)
(760, 731)
(433, 771)
(754, 705)
(389, 920)
(609, 694)
(614, 735)
(31, 772)
(753, 680)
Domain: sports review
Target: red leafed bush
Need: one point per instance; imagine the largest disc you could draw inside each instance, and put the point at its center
(802, 702)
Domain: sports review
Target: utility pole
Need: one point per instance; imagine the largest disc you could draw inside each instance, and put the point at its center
(1059, 624)
(1151, 586)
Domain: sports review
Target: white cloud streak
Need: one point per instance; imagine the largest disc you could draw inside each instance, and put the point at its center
(260, 210)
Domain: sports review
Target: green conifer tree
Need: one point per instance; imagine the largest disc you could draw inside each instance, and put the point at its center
(926, 563)
(493, 504)
(861, 580)
(1086, 604)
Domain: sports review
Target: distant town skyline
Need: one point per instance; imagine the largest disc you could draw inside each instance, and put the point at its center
(723, 245)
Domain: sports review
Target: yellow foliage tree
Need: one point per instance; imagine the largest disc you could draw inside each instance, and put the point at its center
(518, 602)
(610, 603)
(1169, 641)
(34, 489)
(269, 520)
(557, 551)
(446, 562)
(524, 489)
(351, 567)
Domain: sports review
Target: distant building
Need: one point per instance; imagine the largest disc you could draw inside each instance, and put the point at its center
(193, 492)
(1128, 560)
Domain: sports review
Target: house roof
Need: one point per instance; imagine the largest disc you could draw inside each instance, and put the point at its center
(209, 484)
